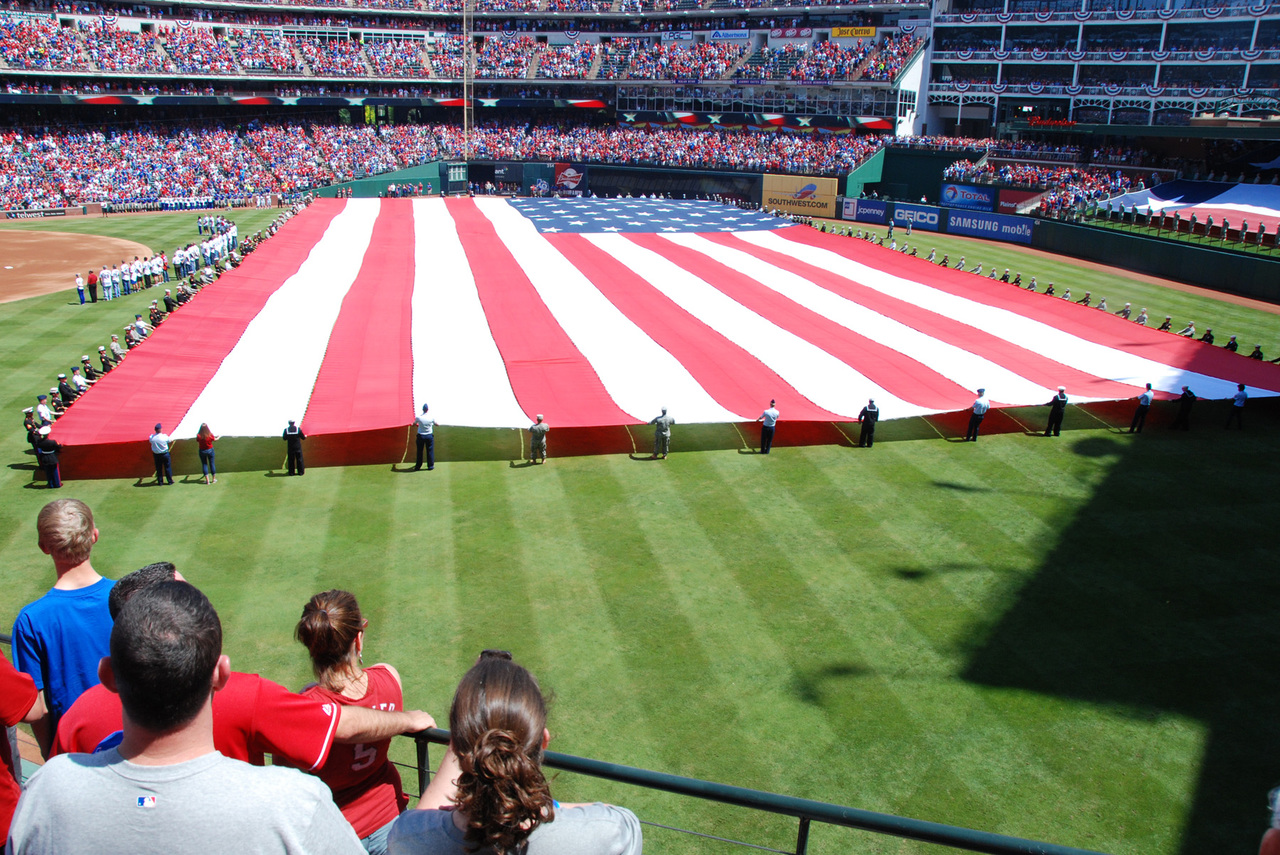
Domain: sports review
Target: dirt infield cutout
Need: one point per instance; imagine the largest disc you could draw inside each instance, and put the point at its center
(37, 263)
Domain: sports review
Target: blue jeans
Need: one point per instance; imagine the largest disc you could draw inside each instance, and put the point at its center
(376, 843)
(206, 463)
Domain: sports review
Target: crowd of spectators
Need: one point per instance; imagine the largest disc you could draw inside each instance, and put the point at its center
(293, 159)
(892, 55)
(113, 49)
(505, 58)
(196, 50)
(262, 50)
(353, 150)
(639, 59)
(395, 57)
(446, 56)
(333, 57)
(40, 44)
(567, 62)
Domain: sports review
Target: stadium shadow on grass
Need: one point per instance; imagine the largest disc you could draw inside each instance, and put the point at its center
(1161, 599)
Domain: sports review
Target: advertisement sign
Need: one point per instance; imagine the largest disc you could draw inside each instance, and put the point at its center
(994, 226)
(791, 33)
(35, 215)
(729, 35)
(853, 32)
(1011, 199)
(865, 210)
(969, 197)
(569, 177)
(800, 194)
(677, 36)
(919, 216)
(508, 171)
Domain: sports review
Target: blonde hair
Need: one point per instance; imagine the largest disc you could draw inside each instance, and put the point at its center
(65, 529)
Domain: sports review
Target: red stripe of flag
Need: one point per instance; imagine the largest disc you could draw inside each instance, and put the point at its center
(905, 377)
(366, 379)
(548, 373)
(734, 378)
(161, 379)
(1026, 363)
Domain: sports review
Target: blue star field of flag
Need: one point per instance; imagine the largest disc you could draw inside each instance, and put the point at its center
(572, 215)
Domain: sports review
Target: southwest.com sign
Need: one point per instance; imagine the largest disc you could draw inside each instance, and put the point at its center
(995, 226)
(968, 196)
(800, 194)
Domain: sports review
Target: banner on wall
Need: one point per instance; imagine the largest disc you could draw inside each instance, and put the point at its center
(729, 35)
(918, 216)
(969, 197)
(677, 36)
(800, 194)
(994, 226)
(569, 177)
(865, 210)
(853, 32)
(1010, 199)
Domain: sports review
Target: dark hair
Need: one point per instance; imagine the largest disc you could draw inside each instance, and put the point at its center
(497, 721)
(123, 590)
(329, 625)
(164, 647)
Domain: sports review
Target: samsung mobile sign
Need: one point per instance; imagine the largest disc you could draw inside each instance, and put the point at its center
(994, 226)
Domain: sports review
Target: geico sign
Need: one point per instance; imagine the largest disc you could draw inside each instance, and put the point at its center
(927, 217)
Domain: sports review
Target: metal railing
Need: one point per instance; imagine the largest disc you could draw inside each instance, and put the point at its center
(806, 811)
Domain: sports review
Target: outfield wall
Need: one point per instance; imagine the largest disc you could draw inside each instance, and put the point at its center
(1228, 271)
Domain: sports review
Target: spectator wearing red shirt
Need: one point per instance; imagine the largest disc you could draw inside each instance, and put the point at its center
(204, 441)
(365, 785)
(19, 701)
(252, 716)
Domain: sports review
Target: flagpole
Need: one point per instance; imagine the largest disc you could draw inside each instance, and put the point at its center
(468, 76)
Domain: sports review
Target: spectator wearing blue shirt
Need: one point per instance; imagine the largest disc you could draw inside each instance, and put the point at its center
(60, 638)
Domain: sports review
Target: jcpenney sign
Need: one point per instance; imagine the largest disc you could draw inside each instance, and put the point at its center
(864, 210)
(919, 216)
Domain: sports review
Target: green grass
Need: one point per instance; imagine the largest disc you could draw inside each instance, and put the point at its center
(1251, 247)
(1070, 640)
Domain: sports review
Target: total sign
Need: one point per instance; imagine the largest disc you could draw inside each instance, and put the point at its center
(919, 216)
(968, 196)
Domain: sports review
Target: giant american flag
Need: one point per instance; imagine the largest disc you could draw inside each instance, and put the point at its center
(601, 312)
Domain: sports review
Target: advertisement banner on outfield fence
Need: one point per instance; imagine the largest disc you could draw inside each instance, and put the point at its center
(35, 215)
(853, 32)
(919, 216)
(508, 171)
(1010, 199)
(994, 226)
(570, 177)
(969, 197)
(800, 194)
(865, 210)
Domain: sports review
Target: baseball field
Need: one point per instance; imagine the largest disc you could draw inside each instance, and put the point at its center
(1065, 639)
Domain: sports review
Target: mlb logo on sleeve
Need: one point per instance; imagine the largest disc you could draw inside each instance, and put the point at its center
(146, 801)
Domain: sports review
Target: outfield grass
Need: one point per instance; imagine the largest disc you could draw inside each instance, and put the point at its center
(1069, 639)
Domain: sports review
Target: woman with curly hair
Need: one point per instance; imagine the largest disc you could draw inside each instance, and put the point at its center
(490, 795)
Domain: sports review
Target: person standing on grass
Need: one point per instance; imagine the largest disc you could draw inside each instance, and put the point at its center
(1185, 402)
(662, 434)
(867, 418)
(976, 415)
(161, 457)
(293, 437)
(426, 439)
(1140, 414)
(538, 440)
(1057, 409)
(768, 424)
(1236, 415)
(204, 442)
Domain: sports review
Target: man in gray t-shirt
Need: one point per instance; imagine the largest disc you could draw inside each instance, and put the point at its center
(662, 434)
(165, 788)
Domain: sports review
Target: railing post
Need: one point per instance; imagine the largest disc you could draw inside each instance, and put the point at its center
(424, 763)
(802, 838)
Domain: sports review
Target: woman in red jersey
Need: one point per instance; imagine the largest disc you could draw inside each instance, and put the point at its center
(365, 785)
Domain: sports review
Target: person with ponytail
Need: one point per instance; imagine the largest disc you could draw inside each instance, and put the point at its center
(365, 784)
(489, 795)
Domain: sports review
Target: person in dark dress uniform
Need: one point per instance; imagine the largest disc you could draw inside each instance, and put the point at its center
(1057, 409)
(293, 437)
(867, 418)
(1185, 403)
(47, 451)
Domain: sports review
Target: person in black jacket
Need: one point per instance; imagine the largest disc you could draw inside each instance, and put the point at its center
(293, 437)
(1057, 409)
(1185, 403)
(47, 451)
(868, 417)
